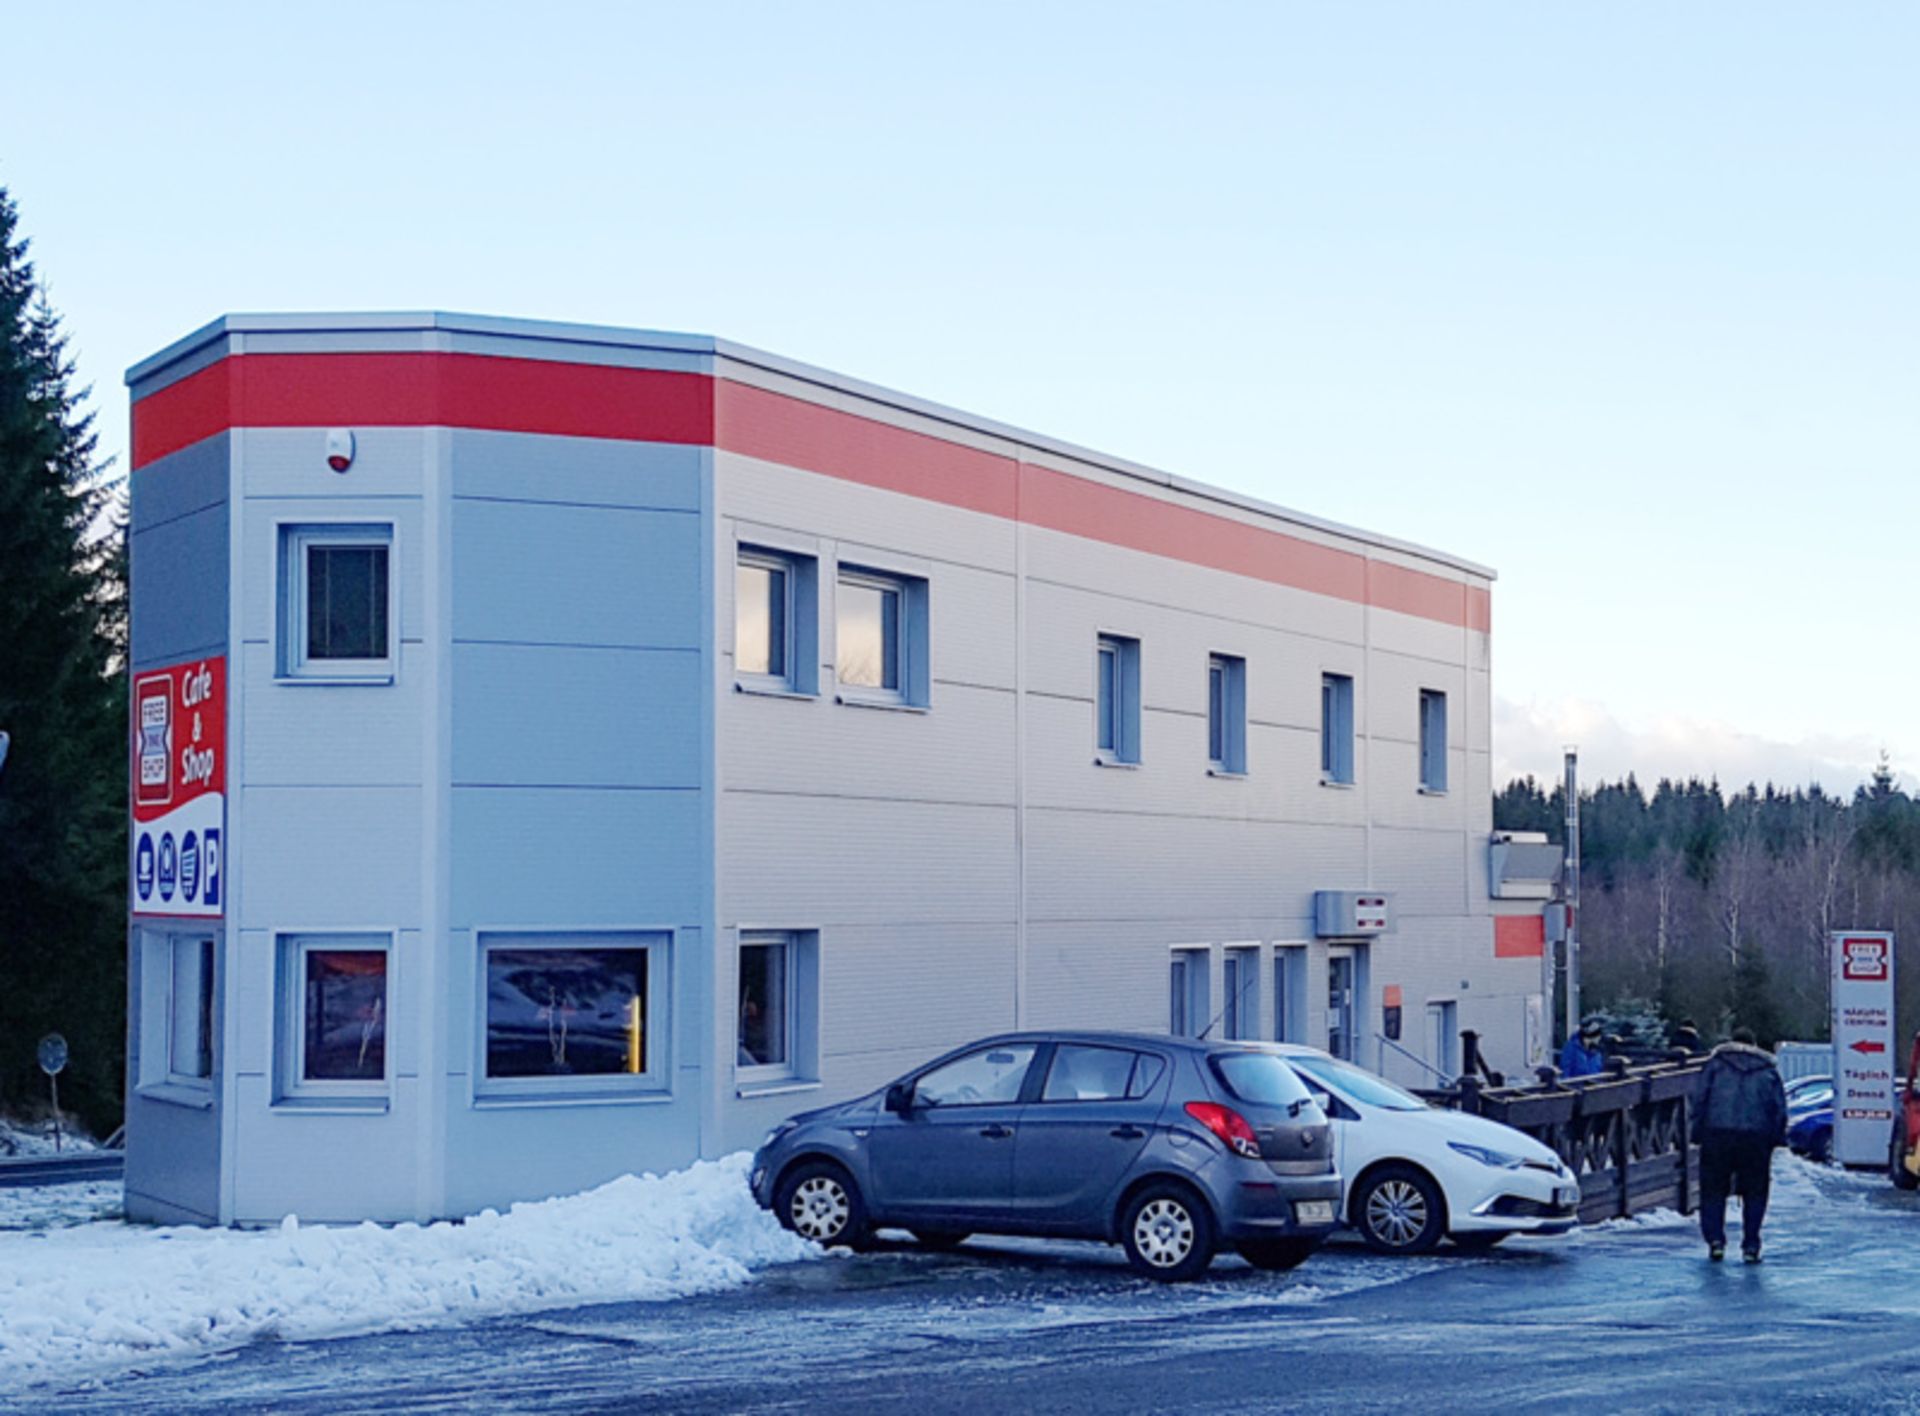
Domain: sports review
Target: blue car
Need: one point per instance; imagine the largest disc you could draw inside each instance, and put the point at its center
(1170, 1147)
(1810, 1117)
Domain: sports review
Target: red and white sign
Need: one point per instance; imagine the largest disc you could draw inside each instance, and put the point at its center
(1862, 1046)
(180, 789)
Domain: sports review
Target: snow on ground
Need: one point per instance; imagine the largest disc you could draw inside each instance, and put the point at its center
(112, 1294)
(60, 1206)
(20, 1139)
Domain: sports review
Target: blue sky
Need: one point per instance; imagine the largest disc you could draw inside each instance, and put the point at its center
(1622, 300)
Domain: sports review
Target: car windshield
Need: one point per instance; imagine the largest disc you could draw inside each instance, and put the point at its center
(1356, 1085)
(1259, 1078)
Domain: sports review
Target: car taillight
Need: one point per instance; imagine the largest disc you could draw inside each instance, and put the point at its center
(1229, 1125)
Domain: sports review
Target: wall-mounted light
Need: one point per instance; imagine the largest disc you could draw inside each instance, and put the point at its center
(340, 449)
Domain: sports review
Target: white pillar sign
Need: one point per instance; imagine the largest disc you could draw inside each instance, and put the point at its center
(1863, 1046)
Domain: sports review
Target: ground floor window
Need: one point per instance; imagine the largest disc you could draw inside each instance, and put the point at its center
(1289, 994)
(190, 1009)
(776, 1006)
(1188, 992)
(1240, 993)
(335, 1002)
(572, 1011)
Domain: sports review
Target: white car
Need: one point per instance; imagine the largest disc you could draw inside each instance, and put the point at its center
(1413, 1174)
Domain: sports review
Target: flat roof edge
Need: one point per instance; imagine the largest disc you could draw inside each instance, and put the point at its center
(622, 337)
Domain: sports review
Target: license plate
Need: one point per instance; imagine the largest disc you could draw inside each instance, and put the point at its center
(1566, 1196)
(1314, 1211)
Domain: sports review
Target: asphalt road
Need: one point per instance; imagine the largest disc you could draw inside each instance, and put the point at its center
(1627, 1317)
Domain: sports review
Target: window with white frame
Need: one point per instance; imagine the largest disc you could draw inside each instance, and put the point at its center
(1433, 740)
(1336, 728)
(571, 1012)
(880, 637)
(1188, 992)
(1116, 692)
(336, 602)
(772, 617)
(1240, 992)
(767, 997)
(335, 1003)
(1226, 714)
(189, 1033)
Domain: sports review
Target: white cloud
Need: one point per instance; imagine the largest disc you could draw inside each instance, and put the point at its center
(1532, 737)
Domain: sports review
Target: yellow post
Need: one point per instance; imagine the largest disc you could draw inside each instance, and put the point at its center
(635, 1037)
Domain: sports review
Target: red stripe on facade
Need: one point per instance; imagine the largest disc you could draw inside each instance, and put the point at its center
(1519, 936)
(423, 390)
(1121, 518)
(756, 423)
(488, 392)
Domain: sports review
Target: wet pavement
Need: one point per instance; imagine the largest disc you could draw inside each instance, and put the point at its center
(1625, 1316)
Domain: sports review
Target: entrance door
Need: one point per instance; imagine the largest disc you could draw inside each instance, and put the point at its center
(1340, 1006)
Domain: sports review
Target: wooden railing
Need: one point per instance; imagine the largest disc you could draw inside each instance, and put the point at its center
(1623, 1133)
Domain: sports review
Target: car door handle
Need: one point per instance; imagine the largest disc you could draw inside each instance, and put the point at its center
(996, 1133)
(1127, 1133)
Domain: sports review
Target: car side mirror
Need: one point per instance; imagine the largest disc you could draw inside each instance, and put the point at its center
(1323, 1100)
(900, 1098)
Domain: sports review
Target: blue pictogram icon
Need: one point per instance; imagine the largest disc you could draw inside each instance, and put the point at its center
(210, 892)
(189, 866)
(169, 865)
(143, 866)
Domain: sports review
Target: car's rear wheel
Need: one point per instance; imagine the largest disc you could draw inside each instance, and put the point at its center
(821, 1202)
(1479, 1240)
(941, 1239)
(1167, 1233)
(1399, 1210)
(1278, 1255)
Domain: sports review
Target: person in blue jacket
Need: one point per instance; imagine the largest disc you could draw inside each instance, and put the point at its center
(1582, 1057)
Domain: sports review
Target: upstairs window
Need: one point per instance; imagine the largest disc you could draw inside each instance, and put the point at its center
(1433, 740)
(1227, 714)
(1336, 728)
(1117, 699)
(773, 621)
(336, 611)
(880, 638)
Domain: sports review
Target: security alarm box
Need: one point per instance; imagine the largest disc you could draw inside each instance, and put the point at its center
(1343, 914)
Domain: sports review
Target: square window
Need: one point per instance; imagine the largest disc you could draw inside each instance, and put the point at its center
(333, 1015)
(773, 624)
(1336, 728)
(190, 1010)
(573, 1013)
(336, 613)
(1116, 691)
(1433, 740)
(1227, 714)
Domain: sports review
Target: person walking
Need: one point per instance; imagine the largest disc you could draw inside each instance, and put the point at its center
(1739, 1118)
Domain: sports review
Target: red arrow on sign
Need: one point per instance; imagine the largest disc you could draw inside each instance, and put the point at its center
(1864, 1046)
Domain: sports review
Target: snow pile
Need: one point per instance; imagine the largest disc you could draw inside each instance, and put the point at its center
(110, 1293)
(18, 1140)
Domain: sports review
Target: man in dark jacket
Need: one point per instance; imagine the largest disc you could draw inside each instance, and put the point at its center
(1739, 1117)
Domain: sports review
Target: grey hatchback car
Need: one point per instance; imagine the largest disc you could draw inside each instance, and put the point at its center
(1169, 1146)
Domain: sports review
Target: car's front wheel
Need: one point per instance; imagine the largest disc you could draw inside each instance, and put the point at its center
(821, 1202)
(1278, 1255)
(1399, 1210)
(1167, 1233)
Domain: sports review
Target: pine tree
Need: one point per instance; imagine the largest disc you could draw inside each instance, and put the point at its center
(63, 788)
